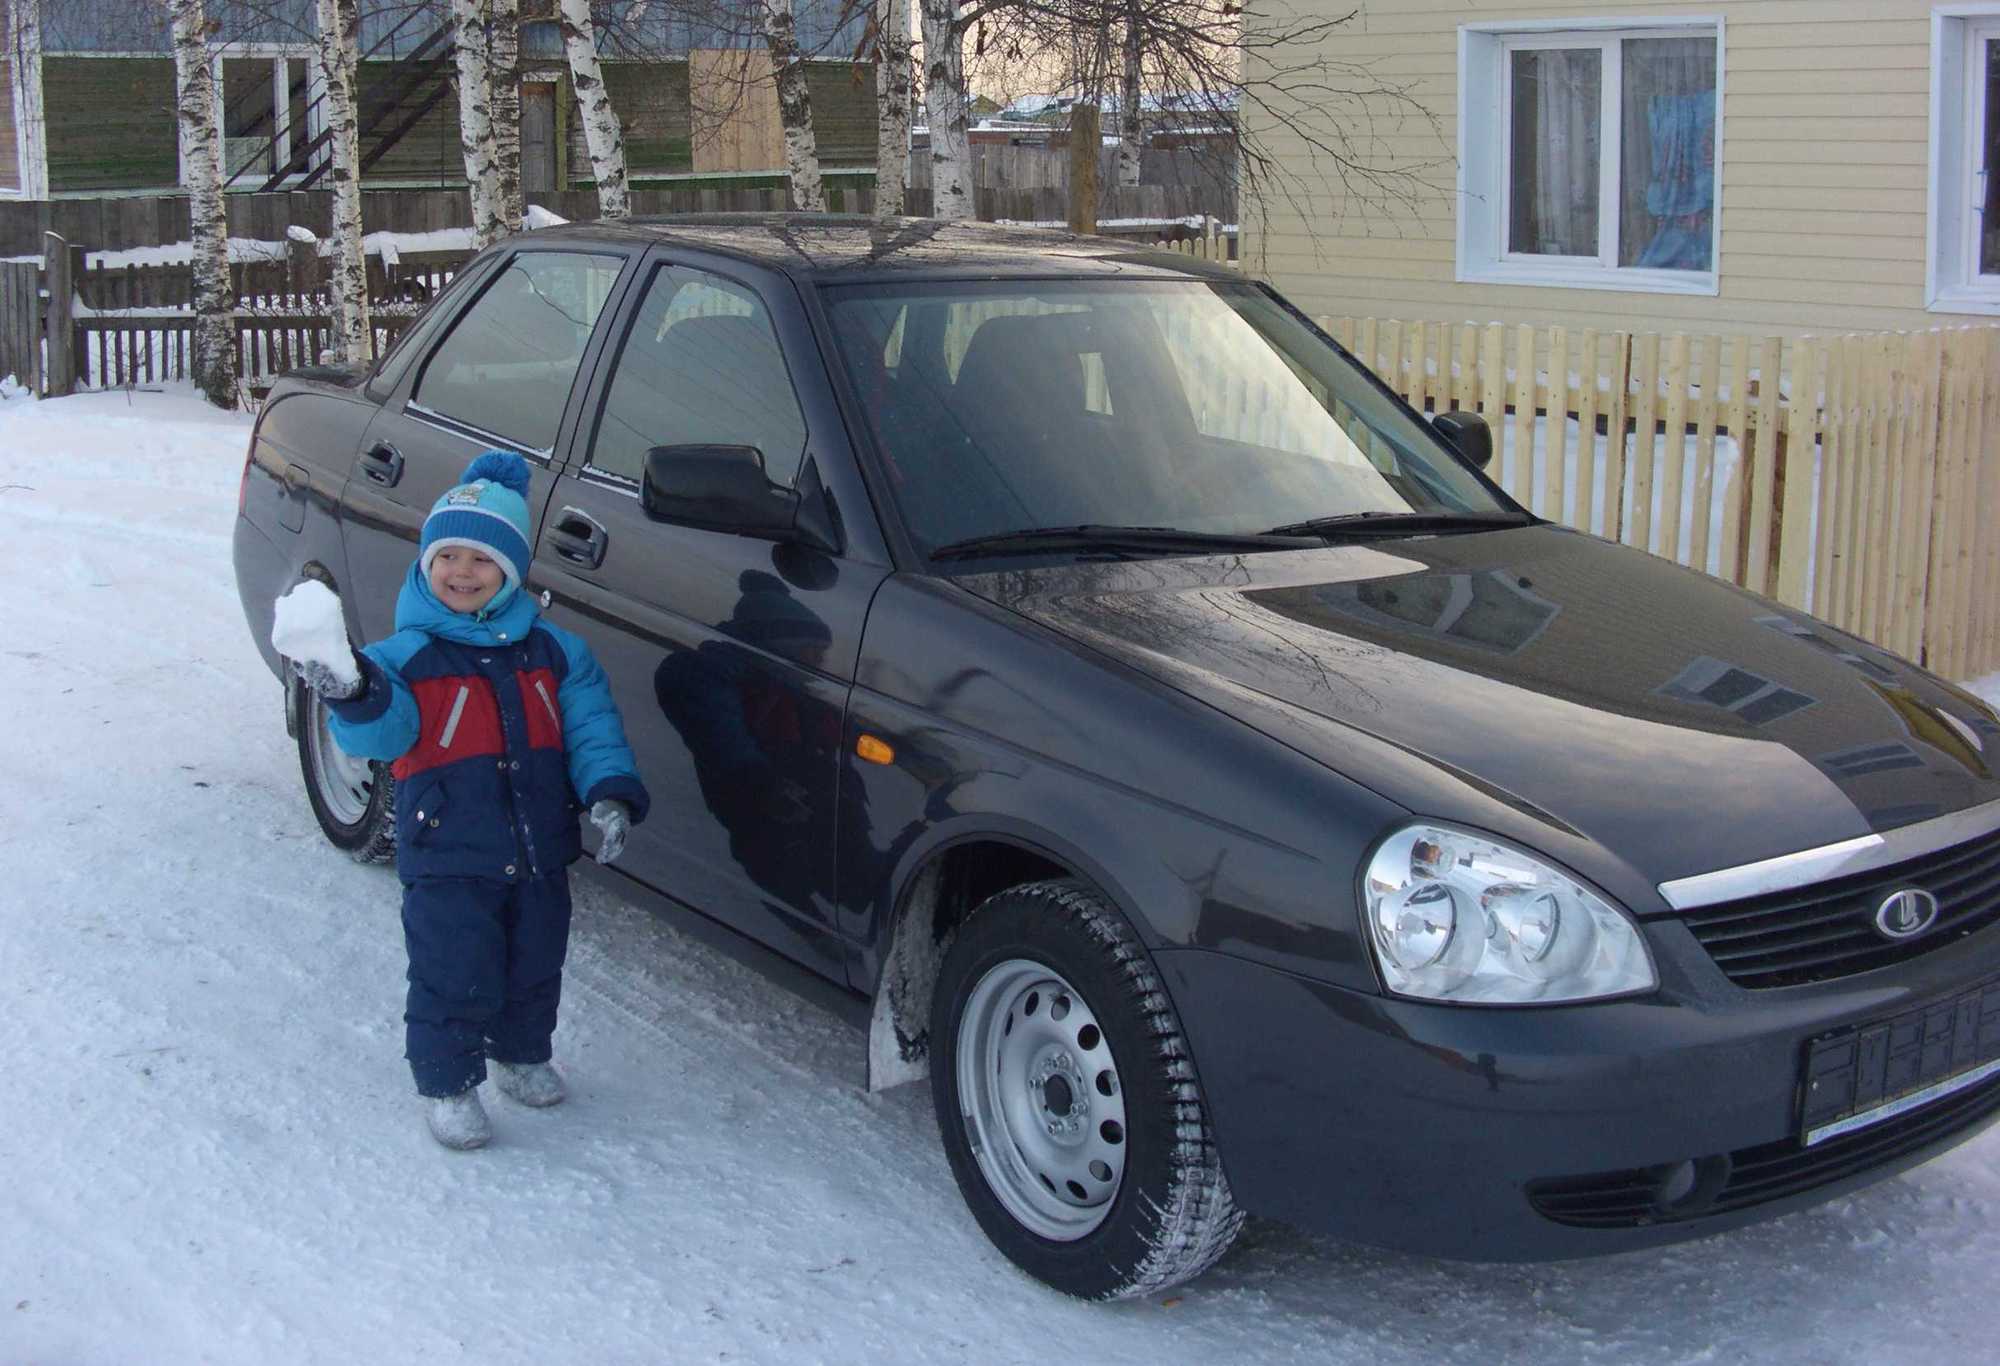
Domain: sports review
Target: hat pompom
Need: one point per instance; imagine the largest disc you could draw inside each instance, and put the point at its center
(504, 468)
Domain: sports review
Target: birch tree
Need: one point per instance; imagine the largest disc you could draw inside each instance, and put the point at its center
(894, 91)
(1129, 94)
(947, 110)
(201, 159)
(601, 131)
(24, 45)
(503, 74)
(475, 121)
(794, 105)
(339, 23)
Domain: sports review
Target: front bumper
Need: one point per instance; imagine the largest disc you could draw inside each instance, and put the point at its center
(1526, 1134)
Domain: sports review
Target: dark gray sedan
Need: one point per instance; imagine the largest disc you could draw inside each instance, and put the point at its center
(1160, 735)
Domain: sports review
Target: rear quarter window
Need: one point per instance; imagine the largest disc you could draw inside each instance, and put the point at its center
(507, 366)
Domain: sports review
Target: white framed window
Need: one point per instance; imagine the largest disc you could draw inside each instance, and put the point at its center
(268, 100)
(1962, 260)
(1590, 154)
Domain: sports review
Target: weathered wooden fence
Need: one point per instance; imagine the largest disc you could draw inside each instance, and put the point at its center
(1855, 477)
(133, 324)
(115, 351)
(413, 276)
(21, 323)
(116, 222)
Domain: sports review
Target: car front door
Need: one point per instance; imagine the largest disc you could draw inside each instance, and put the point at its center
(499, 373)
(731, 657)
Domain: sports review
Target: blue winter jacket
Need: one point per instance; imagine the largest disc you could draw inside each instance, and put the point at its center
(501, 727)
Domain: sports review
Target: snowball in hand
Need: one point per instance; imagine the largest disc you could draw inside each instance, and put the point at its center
(308, 627)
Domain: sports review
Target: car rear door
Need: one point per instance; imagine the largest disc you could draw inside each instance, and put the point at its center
(731, 657)
(499, 372)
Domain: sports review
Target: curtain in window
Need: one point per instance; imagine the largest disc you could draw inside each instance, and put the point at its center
(1667, 165)
(1553, 164)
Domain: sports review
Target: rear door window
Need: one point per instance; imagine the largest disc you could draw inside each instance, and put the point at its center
(700, 366)
(507, 367)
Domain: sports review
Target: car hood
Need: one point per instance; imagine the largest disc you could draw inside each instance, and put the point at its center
(1680, 723)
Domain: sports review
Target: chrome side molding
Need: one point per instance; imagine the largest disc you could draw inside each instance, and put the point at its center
(1808, 866)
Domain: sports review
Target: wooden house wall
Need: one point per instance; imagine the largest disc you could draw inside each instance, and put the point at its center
(112, 123)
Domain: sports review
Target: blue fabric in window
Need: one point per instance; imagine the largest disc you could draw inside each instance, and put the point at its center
(1681, 190)
(1683, 131)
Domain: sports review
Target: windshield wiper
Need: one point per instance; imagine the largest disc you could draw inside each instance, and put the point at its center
(1137, 539)
(1359, 524)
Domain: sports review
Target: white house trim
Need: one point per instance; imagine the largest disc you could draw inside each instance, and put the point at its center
(1952, 283)
(1483, 185)
(279, 55)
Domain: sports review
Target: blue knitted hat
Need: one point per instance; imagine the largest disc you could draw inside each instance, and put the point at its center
(488, 511)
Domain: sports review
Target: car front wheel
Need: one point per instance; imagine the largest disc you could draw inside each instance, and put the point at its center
(353, 799)
(1067, 1099)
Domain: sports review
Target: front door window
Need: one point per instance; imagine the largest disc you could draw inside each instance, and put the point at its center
(700, 366)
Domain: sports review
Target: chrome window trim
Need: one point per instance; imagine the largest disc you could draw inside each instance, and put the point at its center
(466, 431)
(1808, 866)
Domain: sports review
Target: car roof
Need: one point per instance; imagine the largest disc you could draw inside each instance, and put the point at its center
(845, 248)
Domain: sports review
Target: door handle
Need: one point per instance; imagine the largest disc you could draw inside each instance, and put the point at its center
(383, 464)
(578, 538)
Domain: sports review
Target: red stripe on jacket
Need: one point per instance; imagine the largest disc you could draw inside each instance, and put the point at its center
(441, 739)
(476, 731)
(538, 699)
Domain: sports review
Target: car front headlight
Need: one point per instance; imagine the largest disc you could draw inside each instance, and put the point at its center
(1455, 916)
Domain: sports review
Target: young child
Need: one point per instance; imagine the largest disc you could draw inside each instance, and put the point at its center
(499, 725)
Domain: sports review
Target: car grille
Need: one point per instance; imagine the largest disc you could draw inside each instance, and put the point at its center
(1827, 930)
(1771, 1171)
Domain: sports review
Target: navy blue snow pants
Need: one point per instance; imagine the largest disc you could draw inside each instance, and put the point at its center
(485, 975)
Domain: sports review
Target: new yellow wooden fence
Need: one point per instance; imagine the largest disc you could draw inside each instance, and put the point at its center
(1856, 477)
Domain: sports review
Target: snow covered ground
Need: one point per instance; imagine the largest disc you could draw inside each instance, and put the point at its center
(211, 1152)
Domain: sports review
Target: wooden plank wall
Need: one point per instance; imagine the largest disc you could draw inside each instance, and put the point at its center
(1854, 477)
(21, 324)
(116, 224)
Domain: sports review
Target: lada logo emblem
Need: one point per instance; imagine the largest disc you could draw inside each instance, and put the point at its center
(1906, 914)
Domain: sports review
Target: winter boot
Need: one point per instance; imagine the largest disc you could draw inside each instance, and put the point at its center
(531, 1083)
(458, 1121)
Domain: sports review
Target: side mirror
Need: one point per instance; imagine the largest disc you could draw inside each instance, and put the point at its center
(724, 488)
(1469, 434)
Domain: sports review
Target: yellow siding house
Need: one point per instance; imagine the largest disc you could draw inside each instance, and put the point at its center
(1751, 166)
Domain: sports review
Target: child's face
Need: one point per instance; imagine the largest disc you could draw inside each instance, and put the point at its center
(465, 579)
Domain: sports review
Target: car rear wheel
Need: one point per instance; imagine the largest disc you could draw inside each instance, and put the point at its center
(353, 799)
(1067, 1099)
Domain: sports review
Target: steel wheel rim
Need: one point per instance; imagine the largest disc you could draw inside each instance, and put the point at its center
(1042, 1101)
(346, 784)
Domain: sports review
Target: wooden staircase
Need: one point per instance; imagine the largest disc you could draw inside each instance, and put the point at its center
(413, 85)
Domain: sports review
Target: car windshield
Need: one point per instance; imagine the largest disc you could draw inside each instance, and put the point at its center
(1012, 406)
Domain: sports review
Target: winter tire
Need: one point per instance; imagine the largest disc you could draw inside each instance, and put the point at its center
(1067, 1099)
(353, 799)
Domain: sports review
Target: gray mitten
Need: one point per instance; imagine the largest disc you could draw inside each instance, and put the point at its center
(613, 820)
(323, 680)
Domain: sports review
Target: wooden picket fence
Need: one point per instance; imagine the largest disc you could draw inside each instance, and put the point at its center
(1206, 243)
(1855, 477)
(268, 285)
(132, 324)
(115, 351)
